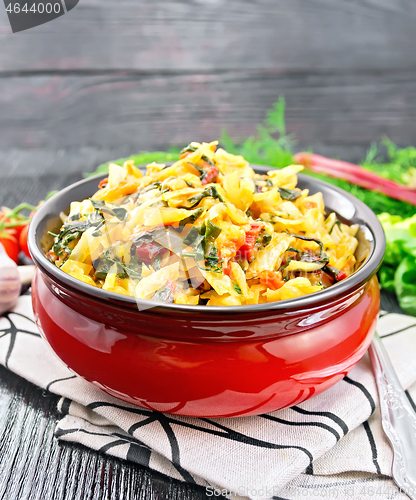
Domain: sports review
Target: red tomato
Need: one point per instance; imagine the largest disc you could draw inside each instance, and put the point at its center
(23, 241)
(147, 252)
(17, 230)
(271, 279)
(341, 276)
(11, 245)
(247, 250)
(227, 269)
(11, 231)
(210, 176)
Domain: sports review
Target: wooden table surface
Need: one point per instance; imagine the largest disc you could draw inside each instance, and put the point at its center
(113, 77)
(33, 465)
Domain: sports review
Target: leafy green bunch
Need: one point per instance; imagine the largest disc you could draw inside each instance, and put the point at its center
(398, 273)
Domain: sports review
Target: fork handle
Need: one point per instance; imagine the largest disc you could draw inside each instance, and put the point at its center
(397, 417)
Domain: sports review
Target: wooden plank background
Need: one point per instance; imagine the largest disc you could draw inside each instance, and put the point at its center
(35, 466)
(115, 77)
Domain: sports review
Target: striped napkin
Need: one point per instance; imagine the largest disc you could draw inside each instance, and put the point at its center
(331, 446)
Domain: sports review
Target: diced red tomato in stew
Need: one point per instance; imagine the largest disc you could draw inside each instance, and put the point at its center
(147, 252)
(227, 269)
(211, 175)
(271, 279)
(341, 276)
(247, 250)
(171, 285)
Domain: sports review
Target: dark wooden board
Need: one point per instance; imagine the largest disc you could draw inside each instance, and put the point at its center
(144, 75)
(337, 114)
(33, 465)
(29, 175)
(213, 35)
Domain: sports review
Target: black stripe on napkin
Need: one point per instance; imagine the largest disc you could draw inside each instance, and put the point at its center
(224, 432)
(164, 422)
(13, 331)
(372, 445)
(327, 414)
(174, 446)
(66, 403)
(63, 432)
(363, 390)
(409, 397)
(304, 424)
(309, 470)
(330, 486)
(113, 444)
(398, 331)
(59, 380)
(144, 422)
(138, 411)
(242, 438)
(6, 315)
(138, 452)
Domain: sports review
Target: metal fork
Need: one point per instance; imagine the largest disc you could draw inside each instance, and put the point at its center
(397, 417)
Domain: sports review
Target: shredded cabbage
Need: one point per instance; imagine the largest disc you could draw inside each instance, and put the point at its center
(205, 230)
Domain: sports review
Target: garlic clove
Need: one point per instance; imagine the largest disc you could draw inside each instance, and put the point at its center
(26, 274)
(10, 285)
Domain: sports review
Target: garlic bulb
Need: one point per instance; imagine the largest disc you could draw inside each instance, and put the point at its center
(10, 285)
(26, 274)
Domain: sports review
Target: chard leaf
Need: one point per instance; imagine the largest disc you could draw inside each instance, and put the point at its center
(289, 194)
(267, 238)
(193, 238)
(197, 167)
(191, 219)
(311, 257)
(306, 238)
(120, 213)
(210, 191)
(97, 204)
(211, 233)
(405, 285)
(165, 294)
(188, 149)
(156, 262)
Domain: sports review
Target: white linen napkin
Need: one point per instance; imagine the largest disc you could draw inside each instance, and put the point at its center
(331, 446)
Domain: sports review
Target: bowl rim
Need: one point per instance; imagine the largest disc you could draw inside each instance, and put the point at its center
(363, 216)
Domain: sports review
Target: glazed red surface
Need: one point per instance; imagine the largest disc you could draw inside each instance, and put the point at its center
(206, 364)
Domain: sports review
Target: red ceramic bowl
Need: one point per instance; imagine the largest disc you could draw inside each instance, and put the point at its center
(208, 361)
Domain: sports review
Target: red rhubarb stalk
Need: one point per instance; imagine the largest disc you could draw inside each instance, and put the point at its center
(356, 175)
